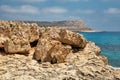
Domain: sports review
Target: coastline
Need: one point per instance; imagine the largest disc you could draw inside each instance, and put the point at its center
(92, 31)
(50, 54)
(117, 68)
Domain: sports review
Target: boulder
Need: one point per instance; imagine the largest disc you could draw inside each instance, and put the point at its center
(4, 27)
(104, 59)
(51, 51)
(34, 32)
(65, 36)
(4, 30)
(17, 45)
(2, 40)
(19, 28)
(91, 47)
(26, 30)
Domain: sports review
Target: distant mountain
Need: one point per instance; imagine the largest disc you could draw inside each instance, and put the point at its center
(74, 25)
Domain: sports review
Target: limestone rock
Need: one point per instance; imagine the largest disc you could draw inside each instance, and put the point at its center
(19, 28)
(65, 36)
(76, 58)
(34, 32)
(2, 40)
(4, 27)
(17, 45)
(104, 59)
(51, 50)
(91, 47)
(91, 67)
(24, 77)
(25, 30)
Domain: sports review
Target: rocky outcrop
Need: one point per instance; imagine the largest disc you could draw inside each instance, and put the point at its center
(91, 47)
(17, 36)
(73, 25)
(17, 45)
(52, 54)
(2, 40)
(65, 36)
(55, 44)
(51, 51)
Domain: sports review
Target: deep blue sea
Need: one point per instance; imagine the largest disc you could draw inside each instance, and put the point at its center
(109, 42)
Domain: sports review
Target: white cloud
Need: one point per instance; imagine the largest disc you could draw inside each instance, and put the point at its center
(28, 9)
(112, 11)
(34, 1)
(54, 10)
(72, 0)
(106, 0)
(87, 11)
(20, 9)
(30, 1)
(69, 0)
(110, 0)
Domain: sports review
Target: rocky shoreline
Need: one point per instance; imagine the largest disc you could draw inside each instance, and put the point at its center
(92, 31)
(30, 52)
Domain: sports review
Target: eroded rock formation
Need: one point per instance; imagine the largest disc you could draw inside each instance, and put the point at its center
(65, 36)
(51, 51)
(52, 54)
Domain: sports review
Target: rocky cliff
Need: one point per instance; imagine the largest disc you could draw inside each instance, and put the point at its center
(73, 25)
(30, 52)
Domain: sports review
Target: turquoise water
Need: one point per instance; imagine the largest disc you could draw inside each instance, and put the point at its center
(109, 42)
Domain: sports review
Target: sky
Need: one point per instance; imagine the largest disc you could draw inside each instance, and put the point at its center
(98, 14)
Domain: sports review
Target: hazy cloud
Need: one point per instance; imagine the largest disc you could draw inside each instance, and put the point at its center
(112, 11)
(20, 9)
(72, 0)
(54, 10)
(110, 0)
(87, 11)
(28, 9)
(31, 1)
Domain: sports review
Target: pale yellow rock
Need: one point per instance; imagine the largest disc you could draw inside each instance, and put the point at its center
(81, 60)
(51, 50)
(17, 45)
(3, 38)
(65, 36)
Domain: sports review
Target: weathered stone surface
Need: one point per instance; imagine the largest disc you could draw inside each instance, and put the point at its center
(104, 59)
(17, 35)
(78, 67)
(2, 40)
(91, 67)
(65, 36)
(51, 50)
(34, 32)
(81, 60)
(26, 30)
(17, 45)
(20, 29)
(91, 47)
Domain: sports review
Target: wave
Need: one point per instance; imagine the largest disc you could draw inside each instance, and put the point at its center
(115, 67)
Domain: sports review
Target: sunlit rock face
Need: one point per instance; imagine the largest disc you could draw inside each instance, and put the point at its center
(55, 44)
(30, 52)
(18, 29)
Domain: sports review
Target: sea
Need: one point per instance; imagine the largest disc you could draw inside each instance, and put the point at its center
(109, 42)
